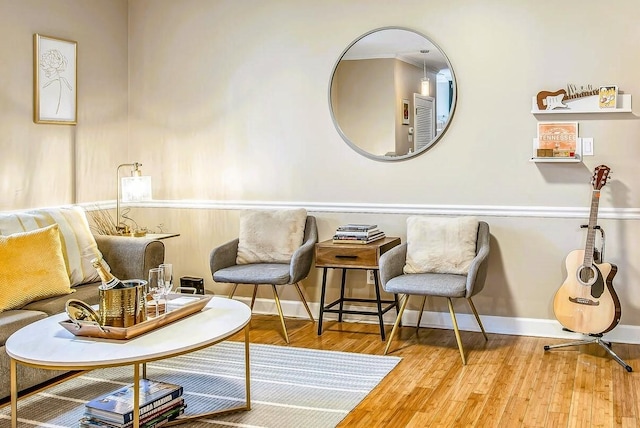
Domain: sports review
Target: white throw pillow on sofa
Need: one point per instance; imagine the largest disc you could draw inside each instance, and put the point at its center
(270, 236)
(440, 245)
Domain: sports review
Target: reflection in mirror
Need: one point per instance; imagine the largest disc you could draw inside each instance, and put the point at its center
(392, 94)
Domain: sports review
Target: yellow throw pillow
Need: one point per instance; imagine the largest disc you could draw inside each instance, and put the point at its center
(78, 244)
(440, 245)
(31, 267)
(270, 236)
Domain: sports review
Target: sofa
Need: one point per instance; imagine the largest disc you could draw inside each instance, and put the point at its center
(46, 254)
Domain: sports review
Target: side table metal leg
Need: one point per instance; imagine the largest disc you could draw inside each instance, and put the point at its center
(344, 280)
(395, 297)
(376, 285)
(324, 287)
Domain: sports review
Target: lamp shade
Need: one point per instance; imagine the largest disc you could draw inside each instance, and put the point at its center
(136, 188)
(424, 87)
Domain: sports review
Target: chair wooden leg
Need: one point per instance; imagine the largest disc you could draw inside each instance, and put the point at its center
(253, 297)
(473, 308)
(424, 300)
(304, 301)
(277, 299)
(395, 325)
(455, 328)
(233, 291)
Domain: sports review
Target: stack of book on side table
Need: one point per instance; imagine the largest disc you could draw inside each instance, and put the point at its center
(160, 403)
(357, 234)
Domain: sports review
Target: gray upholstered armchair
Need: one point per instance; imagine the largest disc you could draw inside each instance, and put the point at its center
(394, 280)
(224, 268)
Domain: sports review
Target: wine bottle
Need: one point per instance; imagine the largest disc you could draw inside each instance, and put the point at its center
(108, 280)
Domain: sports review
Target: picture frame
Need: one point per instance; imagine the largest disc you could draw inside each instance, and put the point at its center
(55, 82)
(558, 139)
(608, 96)
(405, 112)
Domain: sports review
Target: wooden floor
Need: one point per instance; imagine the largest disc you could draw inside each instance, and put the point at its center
(509, 381)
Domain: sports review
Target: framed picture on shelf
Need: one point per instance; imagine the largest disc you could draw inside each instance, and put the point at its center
(608, 96)
(55, 94)
(557, 139)
(405, 112)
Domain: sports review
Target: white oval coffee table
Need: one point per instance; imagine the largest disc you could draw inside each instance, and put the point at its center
(46, 344)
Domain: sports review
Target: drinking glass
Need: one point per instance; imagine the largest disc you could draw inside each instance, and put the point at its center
(167, 276)
(156, 286)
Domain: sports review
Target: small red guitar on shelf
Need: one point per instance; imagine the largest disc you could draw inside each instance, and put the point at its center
(586, 302)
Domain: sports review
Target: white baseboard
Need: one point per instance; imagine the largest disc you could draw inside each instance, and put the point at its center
(492, 324)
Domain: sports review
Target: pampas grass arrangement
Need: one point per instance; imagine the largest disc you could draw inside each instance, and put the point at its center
(103, 223)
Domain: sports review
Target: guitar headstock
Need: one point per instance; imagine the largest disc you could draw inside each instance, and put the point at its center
(600, 176)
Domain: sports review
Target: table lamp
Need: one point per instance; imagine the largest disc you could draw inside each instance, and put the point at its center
(134, 188)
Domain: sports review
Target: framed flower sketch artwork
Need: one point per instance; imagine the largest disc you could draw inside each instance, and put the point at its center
(55, 94)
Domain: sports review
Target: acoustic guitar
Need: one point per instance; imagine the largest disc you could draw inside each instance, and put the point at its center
(586, 302)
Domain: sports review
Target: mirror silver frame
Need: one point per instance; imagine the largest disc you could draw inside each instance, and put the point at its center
(410, 155)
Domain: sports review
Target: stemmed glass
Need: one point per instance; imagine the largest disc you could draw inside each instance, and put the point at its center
(167, 276)
(156, 286)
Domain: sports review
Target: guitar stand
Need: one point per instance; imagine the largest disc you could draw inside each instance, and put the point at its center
(598, 256)
(597, 338)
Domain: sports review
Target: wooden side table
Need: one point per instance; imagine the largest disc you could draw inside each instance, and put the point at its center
(354, 256)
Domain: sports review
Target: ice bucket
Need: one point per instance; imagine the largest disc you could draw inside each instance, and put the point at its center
(123, 307)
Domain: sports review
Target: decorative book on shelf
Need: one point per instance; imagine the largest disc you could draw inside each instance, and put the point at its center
(357, 234)
(117, 406)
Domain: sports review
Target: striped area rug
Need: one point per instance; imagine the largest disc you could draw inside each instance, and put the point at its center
(290, 387)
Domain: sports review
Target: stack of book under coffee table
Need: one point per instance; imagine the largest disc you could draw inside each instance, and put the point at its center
(160, 402)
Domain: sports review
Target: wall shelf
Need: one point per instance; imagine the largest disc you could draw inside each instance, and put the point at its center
(577, 158)
(586, 105)
(556, 160)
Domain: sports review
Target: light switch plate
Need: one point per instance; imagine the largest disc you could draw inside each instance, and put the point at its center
(587, 146)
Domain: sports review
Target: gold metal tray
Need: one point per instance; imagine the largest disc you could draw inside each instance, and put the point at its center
(93, 329)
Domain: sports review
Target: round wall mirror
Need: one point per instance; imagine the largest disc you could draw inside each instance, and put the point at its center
(392, 94)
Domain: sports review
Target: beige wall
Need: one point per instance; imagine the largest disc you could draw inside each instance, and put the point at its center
(228, 106)
(39, 162)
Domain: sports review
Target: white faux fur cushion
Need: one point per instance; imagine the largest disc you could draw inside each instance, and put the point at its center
(270, 236)
(440, 245)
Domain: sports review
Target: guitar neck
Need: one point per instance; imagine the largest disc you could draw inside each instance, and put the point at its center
(572, 96)
(591, 231)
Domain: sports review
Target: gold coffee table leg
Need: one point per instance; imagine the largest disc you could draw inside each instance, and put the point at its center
(136, 395)
(247, 369)
(14, 394)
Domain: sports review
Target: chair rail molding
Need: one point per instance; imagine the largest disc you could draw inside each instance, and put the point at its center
(389, 209)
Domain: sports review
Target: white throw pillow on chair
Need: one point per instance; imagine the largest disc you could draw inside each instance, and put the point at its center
(440, 245)
(270, 236)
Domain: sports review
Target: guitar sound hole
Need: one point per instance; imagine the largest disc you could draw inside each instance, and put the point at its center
(587, 275)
